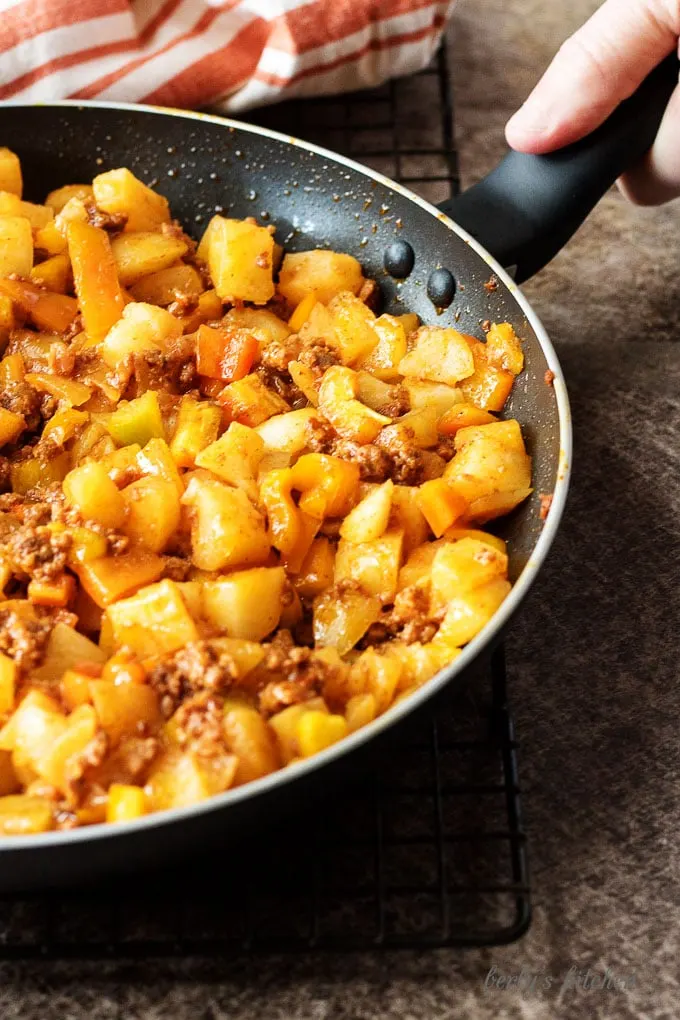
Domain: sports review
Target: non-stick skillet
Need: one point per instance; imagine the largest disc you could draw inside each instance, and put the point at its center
(517, 218)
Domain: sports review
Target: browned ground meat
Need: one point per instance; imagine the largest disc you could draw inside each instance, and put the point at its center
(200, 724)
(446, 447)
(199, 666)
(281, 383)
(159, 370)
(375, 465)
(4, 474)
(36, 551)
(321, 436)
(370, 295)
(183, 303)
(397, 404)
(279, 353)
(176, 568)
(22, 398)
(79, 765)
(23, 638)
(299, 674)
(319, 356)
(103, 220)
(393, 456)
(409, 620)
(407, 463)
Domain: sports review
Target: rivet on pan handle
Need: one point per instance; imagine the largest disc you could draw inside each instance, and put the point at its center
(528, 207)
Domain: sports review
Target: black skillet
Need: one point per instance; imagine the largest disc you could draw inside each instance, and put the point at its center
(521, 215)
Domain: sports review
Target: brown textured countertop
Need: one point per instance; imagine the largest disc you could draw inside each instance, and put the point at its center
(593, 655)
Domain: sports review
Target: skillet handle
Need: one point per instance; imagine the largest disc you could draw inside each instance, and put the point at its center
(528, 207)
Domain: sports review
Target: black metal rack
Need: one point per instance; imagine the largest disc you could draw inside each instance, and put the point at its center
(431, 851)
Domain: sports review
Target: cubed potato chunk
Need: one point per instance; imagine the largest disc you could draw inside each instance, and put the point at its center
(53, 274)
(141, 328)
(353, 323)
(226, 531)
(153, 512)
(235, 458)
(23, 815)
(384, 359)
(139, 254)
(326, 272)
(154, 621)
(369, 518)
(179, 779)
(123, 709)
(348, 416)
(240, 259)
(66, 648)
(252, 741)
(119, 192)
(37, 215)
(113, 577)
(10, 172)
(90, 490)
(459, 567)
(246, 604)
(438, 396)
(58, 198)
(440, 355)
(264, 323)
(373, 565)
(16, 246)
(164, 286)
(469, 612)
(342, 615)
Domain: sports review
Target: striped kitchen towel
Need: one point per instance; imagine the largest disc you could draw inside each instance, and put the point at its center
(202, 53)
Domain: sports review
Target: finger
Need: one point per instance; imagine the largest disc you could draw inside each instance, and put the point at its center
(656, 178)
(599, 66)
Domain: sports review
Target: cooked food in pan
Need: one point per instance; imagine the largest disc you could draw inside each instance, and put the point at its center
(242, 512)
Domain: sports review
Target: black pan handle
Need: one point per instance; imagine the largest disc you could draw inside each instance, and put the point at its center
(528, 207)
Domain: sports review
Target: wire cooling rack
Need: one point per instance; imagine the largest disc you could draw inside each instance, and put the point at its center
(428, 850)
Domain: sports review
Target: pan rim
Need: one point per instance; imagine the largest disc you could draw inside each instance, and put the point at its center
(520, 589)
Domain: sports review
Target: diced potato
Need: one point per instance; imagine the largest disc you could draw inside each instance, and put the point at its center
(342, 615)
(235, 458)
(305, 380)
(53, 313)
(125, 803)
(11, 426)
(384, 359)
(197, 426)
(240, 260)
(141, 328)
(54, 274)
(376, 675)
(338, 403)
(285, 726)
(326, 272)
(37, 215)
(287, 432)
(54, 763)
(227, 531)
(420, 662)
(440, 355)
(250, 402)
(259, 320)
(376, 394)
(496, 504)
(318, 730)
(440, 504)
(10, 172)
(317, 569)
(123, 708)
(245, 655)
(156, 459)
(252, 741)
(22, 815)
(153, 512)
(410, 321)
(438, 396)
(90, 490)
(95, 278)
(180, 779)
(421, 426)
(139, 254)
(373, 565)
(468, 613)
(246, 604)
(508, 433)
(418, 566)
(16, 246)
(8, 677)
(320, 326)
(164, 286)
(153, 621)
(490, 463)
(119, 192)
(209, 308)
(74, 687)
(360, 710)
(9, 781)
(66, 649)
(33, 727)
(454, 534)
(504, 348)
(353, 324)
(57, 199)
(26, 474)
(113, 577)
(369, 518)
(408, 516)
(459, 567)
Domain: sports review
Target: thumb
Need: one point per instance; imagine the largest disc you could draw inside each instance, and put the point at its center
(598, 67)
(656, 178)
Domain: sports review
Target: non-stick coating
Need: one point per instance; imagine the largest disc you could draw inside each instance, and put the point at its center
(204, 167)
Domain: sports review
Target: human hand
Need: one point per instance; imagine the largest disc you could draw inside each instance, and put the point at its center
(598, 67)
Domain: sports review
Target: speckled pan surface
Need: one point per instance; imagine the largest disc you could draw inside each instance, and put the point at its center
(205, 165)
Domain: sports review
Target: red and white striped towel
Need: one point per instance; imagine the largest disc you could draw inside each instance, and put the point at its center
(228, 55)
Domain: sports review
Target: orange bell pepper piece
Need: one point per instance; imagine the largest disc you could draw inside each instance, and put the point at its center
(51, 312)
(52, 593)
(210, 344)
(221, 354)
(285, 525)
(328, 486)
(440, 505)
(460, 416)
(241, 351)
(113, 577)
(95, 277)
